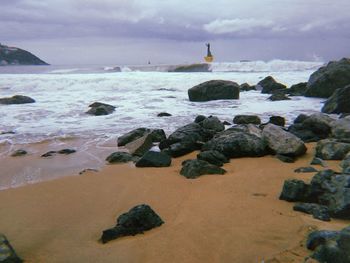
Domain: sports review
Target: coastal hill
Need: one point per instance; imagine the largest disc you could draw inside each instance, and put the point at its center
(17, 56)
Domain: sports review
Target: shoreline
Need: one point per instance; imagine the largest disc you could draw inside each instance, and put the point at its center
(235, 217)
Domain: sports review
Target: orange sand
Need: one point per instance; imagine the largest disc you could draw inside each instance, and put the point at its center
(235, 217)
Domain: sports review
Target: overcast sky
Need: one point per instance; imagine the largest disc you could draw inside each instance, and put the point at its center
(175, 31)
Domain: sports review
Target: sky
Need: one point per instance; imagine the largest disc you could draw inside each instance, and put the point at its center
(117, 32)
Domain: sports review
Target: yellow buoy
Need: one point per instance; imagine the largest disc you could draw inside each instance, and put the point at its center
(209, 59)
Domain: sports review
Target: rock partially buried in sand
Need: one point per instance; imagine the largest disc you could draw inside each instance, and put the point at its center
(98, 109)
(194, 168)
(19, 152)
(119, 157)
(154, 159)
(294, 191)
(213, 157)
(7, 253)
(139, 219)
(330, 149)
(308, 169)
(320, 212)
(63, 151)
(17, 99)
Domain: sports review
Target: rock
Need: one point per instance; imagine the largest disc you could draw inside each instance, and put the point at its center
(277, 120)
(269, 85)
(317, 238)
(214, 90)
(341, 129)
(308, 169)
(327, 79)
(139, 219)
(212, 125)
(17, 56)
(66, 151)
(285, 158)
(154, 159)
(246, 87)
(339, 101)
(17, 99)
(330, 149)
(282, 142)
(191, 132)
(19, 152)
(158, 135)
(49, 154)
(246, 119)
(213, 157)
(297, 89)
(345, 163)
(98, 109)
(277, 96)
(181, 148)
(199, 118)
(132, 135)
(194, 168)
(294, 191)
(318, 161)
(140, 146)
(226, 123)
(119, 157)
(202, 67)
(320, 212)
(7, 253)
(164, 114)
(301, 118)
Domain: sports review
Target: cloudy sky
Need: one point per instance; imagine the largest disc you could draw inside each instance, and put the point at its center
(175, 31)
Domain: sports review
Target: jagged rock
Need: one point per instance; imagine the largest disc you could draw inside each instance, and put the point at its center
(213, 157)
(98, 109)
(285, 158)
(214, 90)
(277, 120)
(246, 87)
(282, 142)
(119, 157)
(132, 135)
(17, 56)
(318, 161)
(341, 129)
(154, 159)
(327, 79)
(246, 119)
(140, 146)
(308, 169)
(330, 149)
(297, 89)
(139, 219)
(19, 152)
(202, 67)
(194, 168)
(320, 212)
(294, 191)
(17, 99)
(269, 85)
(164, 114)
(277, 96)
(339, 101)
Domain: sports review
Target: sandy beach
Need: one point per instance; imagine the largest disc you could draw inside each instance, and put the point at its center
(235, 217)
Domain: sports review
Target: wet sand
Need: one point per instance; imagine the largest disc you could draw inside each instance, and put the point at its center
(235, 217)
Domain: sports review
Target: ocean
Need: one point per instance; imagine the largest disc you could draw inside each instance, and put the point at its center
(139, 93)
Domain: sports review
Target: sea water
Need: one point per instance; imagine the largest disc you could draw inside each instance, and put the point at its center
(139, 93)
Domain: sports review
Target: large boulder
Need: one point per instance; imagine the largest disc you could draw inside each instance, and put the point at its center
(246, 119)
(297, 89)
(214, 90)
(7, 253)
(154, 159)
(139, 219)
(323, 82)
(269, 85)
(283, 142)
(194, 168)
(17, 99)
(338, 102)
(341, 129)
(99, 108)
(330, 149)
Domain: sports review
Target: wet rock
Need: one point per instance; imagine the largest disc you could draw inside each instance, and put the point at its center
(199, 118)
(213, 157)
(66, 151)
(341, 129)
(285, 158)
(277, 96)
(323, 82)
(246, 119)
(7, 253)
(283, 142)
(339, 101)
(318, 161)
(132, 135)
(269, 85)
(246, 87)
(119, 157)
(158, 135)
(226, 123)
(164, 114)
(98, 109)
(345, 163)
(297, 89)
(320, 212)
(308, 169)
(19, 152)
(330, 149)
(277, 120)
(294, 191)
(49, 154)
(212, 125)
(17, 99)
(154, 159)
(139, 219)
(214, 90)
(194, 168)
(140, 146)
(200, 67)
(181, 148)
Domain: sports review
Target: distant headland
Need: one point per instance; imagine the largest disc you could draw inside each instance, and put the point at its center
(17, 56)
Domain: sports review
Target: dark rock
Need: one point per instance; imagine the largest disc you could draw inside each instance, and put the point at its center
(318, 161)
(212, 125)
(199, 118)
(213, 157)
(158, 135)
(214, 90)
(246, 119)
(294, 191)
(345, 163)
(246, 87)
(269, 85)
(132, 135)
(341, 129)
(277, 120)
(285, 158)
(283, 142)
(140, 146)
(330, 149)
(154, 159)
(49, 154)
(317, 238)
(308, 169)
(327, 79)
(195, 168)
(66, 151)
(191, 132)
(17, 99)
(202, 67)
(139, 219)
(98, 109)
(119, 157)
(226, 123)
(7, 253)
(17, 56)
(164, 114)
(339, 101)
(181, 148)
(320, 212)
(19, 152)
(297, 89)
(301, 118)
(278, 96)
